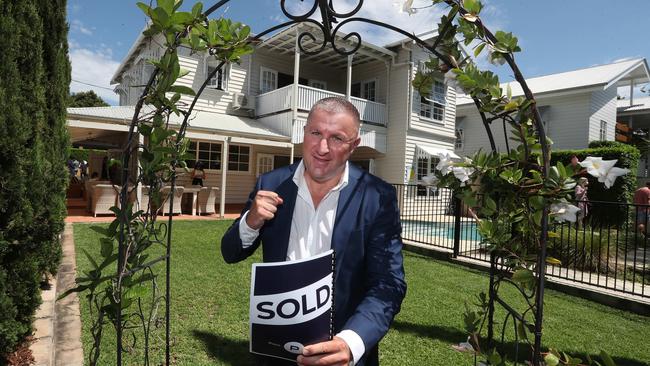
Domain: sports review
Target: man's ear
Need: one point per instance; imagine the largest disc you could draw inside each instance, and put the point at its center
(355, 143)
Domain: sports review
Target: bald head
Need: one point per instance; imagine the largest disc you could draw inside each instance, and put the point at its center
(335, 105)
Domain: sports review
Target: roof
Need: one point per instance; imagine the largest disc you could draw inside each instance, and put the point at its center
(601, 76)
(284, 42)
(639, 104)
(200, 120)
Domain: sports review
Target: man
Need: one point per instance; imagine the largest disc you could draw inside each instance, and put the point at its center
(642, 197)
(324, 202)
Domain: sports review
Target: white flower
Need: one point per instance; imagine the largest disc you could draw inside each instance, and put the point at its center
(445, 164)
(604, 170)
(462, 173)
(430, 180)
(406, 7)
(464, 347)
(496, 60)
(450, 79)
(564, 211)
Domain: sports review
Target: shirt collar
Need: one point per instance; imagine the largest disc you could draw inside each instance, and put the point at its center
(299, 177)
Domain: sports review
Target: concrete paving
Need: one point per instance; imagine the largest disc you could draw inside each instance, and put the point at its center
(57, 325)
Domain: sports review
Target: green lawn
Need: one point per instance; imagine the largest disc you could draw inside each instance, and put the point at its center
(210, 310)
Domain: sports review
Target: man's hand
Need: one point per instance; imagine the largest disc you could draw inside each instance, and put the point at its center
(263, 209)
(334, 352)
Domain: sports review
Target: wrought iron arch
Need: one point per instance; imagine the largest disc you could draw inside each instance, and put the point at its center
(330, 25)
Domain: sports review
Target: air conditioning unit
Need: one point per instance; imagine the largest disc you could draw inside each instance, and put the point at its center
(242, 101)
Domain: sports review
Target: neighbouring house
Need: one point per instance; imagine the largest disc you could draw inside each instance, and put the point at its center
(634, 122)
(577, 107)
(250, 119)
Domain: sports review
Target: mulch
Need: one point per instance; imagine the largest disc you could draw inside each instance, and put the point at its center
(22, 356)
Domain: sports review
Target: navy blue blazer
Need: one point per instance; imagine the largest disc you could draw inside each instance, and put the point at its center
(369, 281)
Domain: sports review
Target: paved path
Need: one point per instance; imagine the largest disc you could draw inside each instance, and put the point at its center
(57, 328)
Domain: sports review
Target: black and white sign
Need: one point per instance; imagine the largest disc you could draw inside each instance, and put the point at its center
(291, 305)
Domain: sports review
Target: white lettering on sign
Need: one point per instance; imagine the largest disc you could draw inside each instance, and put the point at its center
(293, 307)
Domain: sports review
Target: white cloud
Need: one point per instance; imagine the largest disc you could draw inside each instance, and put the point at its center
(77, 25)
(93, 66)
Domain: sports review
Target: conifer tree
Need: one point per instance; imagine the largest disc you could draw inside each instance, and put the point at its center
(34, 82)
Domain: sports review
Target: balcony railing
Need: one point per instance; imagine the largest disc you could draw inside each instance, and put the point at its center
(281, 99)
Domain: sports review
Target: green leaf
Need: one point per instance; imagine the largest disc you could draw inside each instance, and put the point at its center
(523, 276)
(107, 247)
(90, 259)
(182, 89)
(479, 49)
(553, 261)
(607, 359)
(551, 360)
(145, 8)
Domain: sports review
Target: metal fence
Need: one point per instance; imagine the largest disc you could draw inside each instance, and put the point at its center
(606, 249)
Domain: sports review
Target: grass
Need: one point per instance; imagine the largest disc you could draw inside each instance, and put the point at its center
(209, 310)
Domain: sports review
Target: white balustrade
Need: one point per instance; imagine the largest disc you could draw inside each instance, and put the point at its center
(280, 100)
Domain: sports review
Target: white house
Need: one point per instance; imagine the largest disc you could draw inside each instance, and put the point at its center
(250, 119)
(577, 107)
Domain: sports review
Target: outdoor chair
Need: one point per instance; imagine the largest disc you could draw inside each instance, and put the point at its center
(104, 196)
(88, 187)
(178, 197)
(206, 200)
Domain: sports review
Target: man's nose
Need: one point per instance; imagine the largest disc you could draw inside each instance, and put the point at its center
(323, 146)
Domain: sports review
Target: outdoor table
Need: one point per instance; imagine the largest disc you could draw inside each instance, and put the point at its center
(194, 191)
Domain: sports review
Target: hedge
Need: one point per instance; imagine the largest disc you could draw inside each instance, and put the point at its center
(623, 189)
(34, 145)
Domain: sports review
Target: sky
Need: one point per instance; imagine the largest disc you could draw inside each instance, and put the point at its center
(555, 35)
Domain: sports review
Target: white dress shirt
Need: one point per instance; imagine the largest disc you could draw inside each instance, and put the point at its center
(311, 234)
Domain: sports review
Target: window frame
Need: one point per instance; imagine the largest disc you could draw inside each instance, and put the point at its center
(435, 105)
(274, 81)
(363, 90)
(206, 163)
(248, 162)
(221, 77)
(602, 133)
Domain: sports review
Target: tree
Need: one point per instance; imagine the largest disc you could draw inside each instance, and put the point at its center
(86, 99)
(33, 146)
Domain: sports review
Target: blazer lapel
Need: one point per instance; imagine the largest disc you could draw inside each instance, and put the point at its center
(346, 213)
(283, 217)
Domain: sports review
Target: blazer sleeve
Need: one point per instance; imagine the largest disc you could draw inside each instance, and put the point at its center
(231, 245)
(384, 278)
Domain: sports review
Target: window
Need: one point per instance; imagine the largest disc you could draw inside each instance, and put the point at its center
(603, 130)
(264, 163)
(268, 80)
(459, 139)
(433, 106)
(218, 81)
(318, 84)
(208, 153)
(365, 89)
(238, 158)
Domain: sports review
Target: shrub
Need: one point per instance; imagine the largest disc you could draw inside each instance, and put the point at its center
(33, 149)
(623, 189)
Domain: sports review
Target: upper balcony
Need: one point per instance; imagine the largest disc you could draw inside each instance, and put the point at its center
(280, 100)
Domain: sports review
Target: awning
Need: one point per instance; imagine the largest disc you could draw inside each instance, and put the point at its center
(437, 152)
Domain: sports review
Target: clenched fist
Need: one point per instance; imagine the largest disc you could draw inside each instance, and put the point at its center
(263, 209)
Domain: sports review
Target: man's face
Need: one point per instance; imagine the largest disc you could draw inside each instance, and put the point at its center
(330, 139)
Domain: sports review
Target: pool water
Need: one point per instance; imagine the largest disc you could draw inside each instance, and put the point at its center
(442, 229)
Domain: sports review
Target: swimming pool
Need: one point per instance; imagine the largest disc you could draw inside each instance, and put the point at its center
(440, 229)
